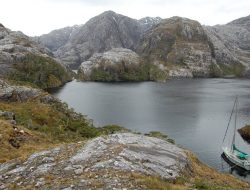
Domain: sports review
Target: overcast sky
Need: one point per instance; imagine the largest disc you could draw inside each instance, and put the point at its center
(36, 17)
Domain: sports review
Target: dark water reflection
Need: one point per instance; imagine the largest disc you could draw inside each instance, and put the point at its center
(193, 112)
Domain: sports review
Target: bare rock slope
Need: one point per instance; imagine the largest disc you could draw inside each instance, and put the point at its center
(104, 162)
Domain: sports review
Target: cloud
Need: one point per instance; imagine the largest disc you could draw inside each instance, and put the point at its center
(42, 16)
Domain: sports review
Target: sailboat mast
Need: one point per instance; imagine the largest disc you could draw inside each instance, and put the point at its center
(235, 121)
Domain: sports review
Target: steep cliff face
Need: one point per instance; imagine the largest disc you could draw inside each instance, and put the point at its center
(22, 59)
(179, 46)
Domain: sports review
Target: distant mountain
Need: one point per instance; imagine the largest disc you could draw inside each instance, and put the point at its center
(175, 47)
(56, 38)
(23, 60)
(149, 22)
(73, 45)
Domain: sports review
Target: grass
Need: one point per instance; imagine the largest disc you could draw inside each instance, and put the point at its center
(55, 120)
(33, 141)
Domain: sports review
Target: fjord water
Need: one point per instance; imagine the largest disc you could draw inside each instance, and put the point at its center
(194, 112)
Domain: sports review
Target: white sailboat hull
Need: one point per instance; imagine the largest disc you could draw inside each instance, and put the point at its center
(245, 164)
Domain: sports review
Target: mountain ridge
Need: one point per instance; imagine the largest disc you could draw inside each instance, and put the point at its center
(226, 49)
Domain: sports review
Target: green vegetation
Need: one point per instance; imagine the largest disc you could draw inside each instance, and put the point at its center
(160, 135)
(121, 72)
(220, 70)
(55, 120)
(110, 129)
(40, 71)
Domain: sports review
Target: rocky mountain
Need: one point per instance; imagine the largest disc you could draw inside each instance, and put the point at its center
(178, 46)
(56, 38)
(148, 22)
(230, 45)
(73, 45)
(101, 33)
(21, 59)
(174, 47)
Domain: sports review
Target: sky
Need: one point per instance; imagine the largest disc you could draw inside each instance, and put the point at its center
(36, 17)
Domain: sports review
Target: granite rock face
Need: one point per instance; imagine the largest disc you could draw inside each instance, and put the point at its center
(108, 160)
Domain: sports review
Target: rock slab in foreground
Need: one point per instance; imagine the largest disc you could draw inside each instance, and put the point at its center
(107, 161)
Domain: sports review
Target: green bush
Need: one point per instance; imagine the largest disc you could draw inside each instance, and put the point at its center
(43, 72)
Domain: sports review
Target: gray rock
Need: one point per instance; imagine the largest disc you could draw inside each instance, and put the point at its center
(99, 159)
(16, 93)
(117, 57)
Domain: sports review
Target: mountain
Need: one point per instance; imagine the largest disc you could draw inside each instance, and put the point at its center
(101, 33)
(56, 38)
(230, 44)
(148, 22)
(174, 47)
(178, 46)
(23, 60)
(73, 45)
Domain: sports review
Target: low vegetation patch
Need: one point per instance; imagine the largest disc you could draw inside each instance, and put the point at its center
(160, 135)
(43, 72)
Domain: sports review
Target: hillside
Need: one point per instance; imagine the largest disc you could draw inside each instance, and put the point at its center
(23, 60)
(175, 47)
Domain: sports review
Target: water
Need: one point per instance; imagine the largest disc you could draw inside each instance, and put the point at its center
(193, 112)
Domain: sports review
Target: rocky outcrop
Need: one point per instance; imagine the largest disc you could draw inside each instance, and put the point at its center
(118, 64)
(179, 46)
(21, 59)
(107, 161)
(17, 93)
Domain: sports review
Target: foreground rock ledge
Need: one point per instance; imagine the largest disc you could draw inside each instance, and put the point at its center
(105, 161)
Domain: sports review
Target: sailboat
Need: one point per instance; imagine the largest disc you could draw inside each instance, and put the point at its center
(231, 152)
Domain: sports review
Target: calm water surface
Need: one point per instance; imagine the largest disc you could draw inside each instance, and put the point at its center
(193, 112)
